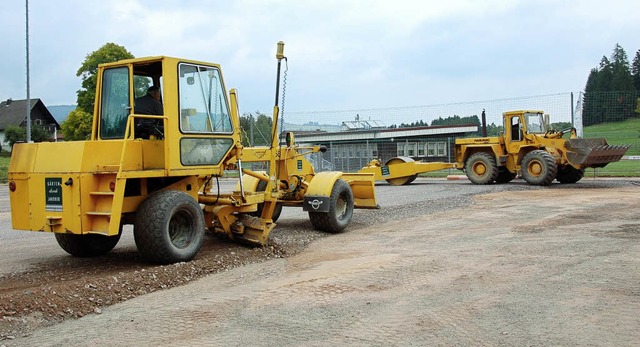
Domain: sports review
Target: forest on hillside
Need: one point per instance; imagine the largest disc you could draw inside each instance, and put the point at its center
(612, 92)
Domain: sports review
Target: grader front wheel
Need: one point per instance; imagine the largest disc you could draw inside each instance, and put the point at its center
(539, 168)
(340, 209)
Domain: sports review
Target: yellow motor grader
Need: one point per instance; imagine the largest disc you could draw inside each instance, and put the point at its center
(158, 172)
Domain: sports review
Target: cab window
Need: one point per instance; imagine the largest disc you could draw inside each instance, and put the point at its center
(203, 105)
(114, 106)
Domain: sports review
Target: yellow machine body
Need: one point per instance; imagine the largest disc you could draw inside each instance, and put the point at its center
(133, 160)
(531, 148)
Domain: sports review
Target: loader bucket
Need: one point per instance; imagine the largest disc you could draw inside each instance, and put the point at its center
(594, 152)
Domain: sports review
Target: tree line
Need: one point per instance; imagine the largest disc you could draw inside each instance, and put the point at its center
(612, 91)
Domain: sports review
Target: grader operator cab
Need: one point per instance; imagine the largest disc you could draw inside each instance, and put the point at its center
(157, 172)
(530, 147)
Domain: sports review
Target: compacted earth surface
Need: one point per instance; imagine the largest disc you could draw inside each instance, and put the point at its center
(440, 263)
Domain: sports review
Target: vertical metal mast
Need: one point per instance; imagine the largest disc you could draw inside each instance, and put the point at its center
(28, 86)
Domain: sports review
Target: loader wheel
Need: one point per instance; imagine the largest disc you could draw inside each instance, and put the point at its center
(169, 227)
(504, 175)
(340, 210)
(88, 245)
(400, 181)
(481, 168)
(262, 185)
(539, 168)
(569, 174)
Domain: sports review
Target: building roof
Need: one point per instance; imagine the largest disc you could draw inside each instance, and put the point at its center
(388, 134)
(13, 112)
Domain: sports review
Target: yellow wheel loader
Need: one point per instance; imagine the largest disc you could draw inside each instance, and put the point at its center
(530, 148)
(159, 172)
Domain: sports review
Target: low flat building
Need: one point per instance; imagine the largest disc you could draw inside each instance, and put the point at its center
(351, 149)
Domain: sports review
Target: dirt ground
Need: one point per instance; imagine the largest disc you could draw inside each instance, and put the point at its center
(495, 265)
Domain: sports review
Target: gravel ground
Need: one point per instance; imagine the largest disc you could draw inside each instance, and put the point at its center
(40, 291)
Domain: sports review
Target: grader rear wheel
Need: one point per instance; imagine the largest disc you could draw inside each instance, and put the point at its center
(400, 181)
(169, 227)
(90, 245)
(539, 168)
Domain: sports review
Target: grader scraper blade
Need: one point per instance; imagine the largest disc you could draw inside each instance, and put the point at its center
(593, 152)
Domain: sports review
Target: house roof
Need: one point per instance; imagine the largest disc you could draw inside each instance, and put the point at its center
(12, 112)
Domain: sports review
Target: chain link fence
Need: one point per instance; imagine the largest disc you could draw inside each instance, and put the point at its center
(614, 116)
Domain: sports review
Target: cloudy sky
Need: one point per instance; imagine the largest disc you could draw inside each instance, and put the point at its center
(342, 55)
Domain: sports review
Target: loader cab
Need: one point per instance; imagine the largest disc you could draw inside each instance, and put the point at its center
(196, 127)
(515, 132)
(520, 123)
(534, 122)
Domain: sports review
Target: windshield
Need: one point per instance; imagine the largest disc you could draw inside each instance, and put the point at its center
(203, 106)
(535, 123)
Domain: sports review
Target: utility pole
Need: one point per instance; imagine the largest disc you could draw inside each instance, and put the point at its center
(28, 87)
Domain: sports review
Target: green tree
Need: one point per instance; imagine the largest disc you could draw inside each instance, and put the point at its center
(108, 53)
(77, 126)
(14, 133)
(621, 79)
(256, 129)
(610, 95)
(635, 71)
(590, 111)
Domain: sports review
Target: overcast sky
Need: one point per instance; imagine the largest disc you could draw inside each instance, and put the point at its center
(342, 55)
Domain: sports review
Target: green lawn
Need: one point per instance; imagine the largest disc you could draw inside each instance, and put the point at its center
(621, 133)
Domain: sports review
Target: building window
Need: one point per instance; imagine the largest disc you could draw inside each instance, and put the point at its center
(421, 149)
(400, 149)
(431, 149)
(411, 149)
(442, 149)
(37, 121)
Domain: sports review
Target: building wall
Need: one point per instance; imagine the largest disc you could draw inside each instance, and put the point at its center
(350, 157)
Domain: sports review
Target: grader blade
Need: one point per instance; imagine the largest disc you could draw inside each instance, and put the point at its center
(363, 188)
(593, 152)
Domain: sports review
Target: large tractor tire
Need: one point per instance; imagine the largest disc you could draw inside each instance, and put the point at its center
(169, 227)
(400, 181)
(504, 175)
(262, 185)
(88, 245)
(481, 168)
(340, 209)
(569, 174)
(539, 168)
